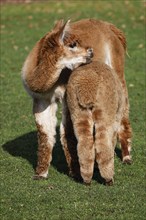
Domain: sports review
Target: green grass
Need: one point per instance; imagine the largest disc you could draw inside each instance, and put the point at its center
(60, 197)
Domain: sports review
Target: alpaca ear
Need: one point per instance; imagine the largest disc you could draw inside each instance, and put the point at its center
(59, 24)
(64, 31)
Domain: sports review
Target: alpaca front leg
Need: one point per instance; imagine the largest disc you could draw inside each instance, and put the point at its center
(45, 118)
(69, 142)
(69, 145)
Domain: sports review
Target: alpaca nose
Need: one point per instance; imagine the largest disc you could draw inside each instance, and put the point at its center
(90, 52)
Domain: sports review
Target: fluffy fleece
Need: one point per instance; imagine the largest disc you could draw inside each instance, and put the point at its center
(41, 72)
(96, 103)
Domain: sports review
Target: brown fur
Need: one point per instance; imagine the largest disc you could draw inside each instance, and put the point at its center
(97, 84)
(125, 139)
(98, 34)
(44, 151)
(42, 62)
(42, 79)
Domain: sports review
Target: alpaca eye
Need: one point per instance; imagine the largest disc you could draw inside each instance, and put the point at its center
(72, 45)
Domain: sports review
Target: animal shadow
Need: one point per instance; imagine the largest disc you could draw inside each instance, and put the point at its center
(26, 147)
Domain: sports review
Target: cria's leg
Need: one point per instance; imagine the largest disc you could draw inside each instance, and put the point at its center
(83, 127)
(104, 152)
(125, 135)
(69, 143)
(45, 118)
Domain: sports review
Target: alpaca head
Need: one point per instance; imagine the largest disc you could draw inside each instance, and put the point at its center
(62, 48)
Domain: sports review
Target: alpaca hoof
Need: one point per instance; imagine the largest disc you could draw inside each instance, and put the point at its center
(109, 183)
(37, 177)
(127, 160)
(87, 184)
(76, 176)
(71, 174)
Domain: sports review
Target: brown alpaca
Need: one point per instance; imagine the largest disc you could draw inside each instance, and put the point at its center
(109, 46)
(41, 71)
(96, 103)
(45, 81)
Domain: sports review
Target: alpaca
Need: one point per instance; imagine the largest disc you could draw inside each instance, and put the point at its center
(109, 46)
(53, 53)
(45, 82)
(96, 103)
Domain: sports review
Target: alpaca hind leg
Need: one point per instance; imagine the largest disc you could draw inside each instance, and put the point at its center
(69, 142)
(125, 135)
(104, 151)
(45, 118)
(84, 133)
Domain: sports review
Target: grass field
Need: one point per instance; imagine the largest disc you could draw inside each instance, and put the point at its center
(59, 197)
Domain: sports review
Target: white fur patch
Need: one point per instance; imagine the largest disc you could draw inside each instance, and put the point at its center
(45, 174)
(58, 94)
(108, 56)
(47, 119)
(73, 62)
(128, 157)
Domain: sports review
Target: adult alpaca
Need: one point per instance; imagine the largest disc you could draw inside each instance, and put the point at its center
(109, 46)
(41, 72)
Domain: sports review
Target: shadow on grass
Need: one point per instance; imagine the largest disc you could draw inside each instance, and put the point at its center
(26, 145)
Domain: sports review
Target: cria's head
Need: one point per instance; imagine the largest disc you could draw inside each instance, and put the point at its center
(62, 45)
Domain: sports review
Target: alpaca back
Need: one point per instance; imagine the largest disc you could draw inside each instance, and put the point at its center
(103, 37)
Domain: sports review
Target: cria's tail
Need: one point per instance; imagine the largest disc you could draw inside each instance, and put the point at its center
(86, 97)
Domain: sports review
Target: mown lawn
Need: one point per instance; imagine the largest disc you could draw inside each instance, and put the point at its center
(59, 197)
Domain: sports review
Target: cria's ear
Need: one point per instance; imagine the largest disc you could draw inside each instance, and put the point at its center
(59, 24)
(64, 31)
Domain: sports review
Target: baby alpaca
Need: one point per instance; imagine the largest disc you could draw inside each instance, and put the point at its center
(57, 50)
(96, 101)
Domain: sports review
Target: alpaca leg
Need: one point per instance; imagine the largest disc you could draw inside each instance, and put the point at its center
(69, 142)
(83, 128)
(104, 151)
(125, 135)
(125, 142)
(45, 118)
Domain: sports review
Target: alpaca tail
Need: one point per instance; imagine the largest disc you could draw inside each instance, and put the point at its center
(86, 97)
